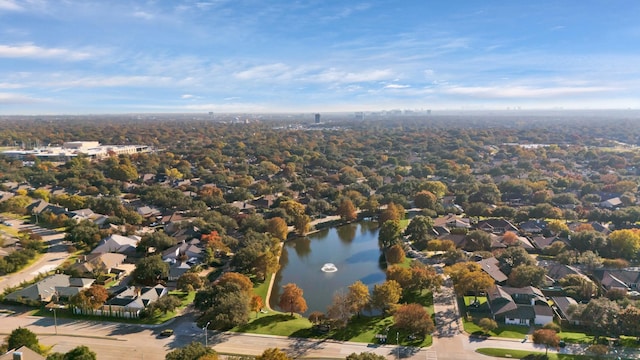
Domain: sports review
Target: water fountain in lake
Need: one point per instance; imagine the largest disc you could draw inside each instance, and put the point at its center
(329, 268)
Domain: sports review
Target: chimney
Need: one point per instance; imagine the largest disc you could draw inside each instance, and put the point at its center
(17, 355)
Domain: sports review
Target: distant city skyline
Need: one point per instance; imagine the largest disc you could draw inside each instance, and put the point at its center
(251, 56)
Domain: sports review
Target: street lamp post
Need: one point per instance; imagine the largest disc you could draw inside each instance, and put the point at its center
(398, 345)
(52, 307)
(206, 334)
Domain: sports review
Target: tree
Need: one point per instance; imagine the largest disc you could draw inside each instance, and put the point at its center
(150, 270)
(358, 296)
(420, 229)
(414, 319)
(302, 224)
(80, 353)
(425, 200)
(189, 281)
(469, 277)
(395, 254)
(392, 212)
(224, 305)
(346, 210)
(157, 240)
(527, 275)
(273, 354)
(243, 282)
(625, 243)
(386, 295)
(194, 350)
(477, 240)
(278, 228)
(291, 299)
(166, 304)
(316, 317)
(630, 318)
(91, 298)
(340, 310)
(256, 304)
(365, 356)
(265, 264)
(578, 287)
(546, 337)
(389, 233)
(399, 274)
(601, 315)
(487, 325)
(424, 277)
(513, 257)
(23, 337)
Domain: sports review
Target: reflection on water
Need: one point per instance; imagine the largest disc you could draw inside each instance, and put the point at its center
(352, 248)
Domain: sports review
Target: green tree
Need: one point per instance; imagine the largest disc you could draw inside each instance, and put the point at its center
(487, 325)
(358, 296)
(527, 275)
(425, 200)
(158, 240)
(477, 240)
(226, 306)
(392, 212)
(80, 353)
(365, 356)
(192, 351)
(189, 281)
(23, 337)
(166, 304)
(413, 318)
(390, 233)
(513, 257)
(292, 299)
(150, 270)
(420, 229)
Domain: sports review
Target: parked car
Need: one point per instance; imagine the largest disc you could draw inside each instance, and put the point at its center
(166, 332)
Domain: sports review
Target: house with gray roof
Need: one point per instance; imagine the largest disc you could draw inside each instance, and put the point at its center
(128, 302)
(117, 244)
(491, 267)
(21, 353)
(519, 306)
(561, 305)
(45, 290)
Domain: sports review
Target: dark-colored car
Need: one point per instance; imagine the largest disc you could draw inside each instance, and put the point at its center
(166, 332)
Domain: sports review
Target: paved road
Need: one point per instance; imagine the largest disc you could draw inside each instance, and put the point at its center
(56, 254)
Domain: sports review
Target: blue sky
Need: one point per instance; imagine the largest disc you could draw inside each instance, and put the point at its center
(75, 57)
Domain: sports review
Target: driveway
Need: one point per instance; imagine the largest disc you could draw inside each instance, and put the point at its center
(56, 254)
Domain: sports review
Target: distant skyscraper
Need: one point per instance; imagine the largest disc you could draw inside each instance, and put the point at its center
(317, 118)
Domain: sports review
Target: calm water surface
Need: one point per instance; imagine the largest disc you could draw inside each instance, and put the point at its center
(352, 248)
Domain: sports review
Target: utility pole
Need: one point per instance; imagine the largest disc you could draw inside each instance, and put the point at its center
(206, 341)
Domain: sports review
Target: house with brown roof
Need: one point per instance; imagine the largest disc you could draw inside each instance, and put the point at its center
(561, 305)
(100, 263)
(496, 226)
(492, 267)
(128, 302)
(21, 353)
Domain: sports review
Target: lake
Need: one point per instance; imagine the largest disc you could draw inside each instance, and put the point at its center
(352, 248)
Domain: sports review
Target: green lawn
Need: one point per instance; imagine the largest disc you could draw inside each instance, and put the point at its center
(519, 354)
(262, 288)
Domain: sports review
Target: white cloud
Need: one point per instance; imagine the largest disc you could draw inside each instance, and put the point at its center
(10, 98)
(263, 72)
(37, 52)
(10, 5)
(113, 81)
(6, 85)
(523, 91)
(187, 96)
(397, 86)
(340, 76)
(143, 15)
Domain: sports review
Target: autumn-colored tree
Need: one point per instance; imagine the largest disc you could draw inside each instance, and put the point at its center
(394, 254)
(358, 296)
(401, 275)
(424, 277)
(256, 304)
(346, 210)
(385, 296)
(584, 227)
(557, 226)
(302, 224)
(91, 298)
(625, 243)
(392, 212)
(510, 238)
(547, 338)
(469, 277)
(425, 200)
(291, 299)
(241, 280)
(340, 310)
(265, 264)
(438, 188)
(273, 354)
(413, 318)
(213, 240)
(316, 317)
(278, 228)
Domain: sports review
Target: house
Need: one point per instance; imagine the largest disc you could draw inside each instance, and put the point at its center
(622, 279)
(264, 202)
(496, 226)
(561, 305)
(451, 221)
(491, 267)
(541, 242)
(460, 240)
(148, 211)
(519, 306)
(557, 271)
(47, 289)
(177, 269)
(533, 226)
(187, 249)
(117, 244)
(612, 203)
(128, 302)
(21, 353)
(103, 263)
